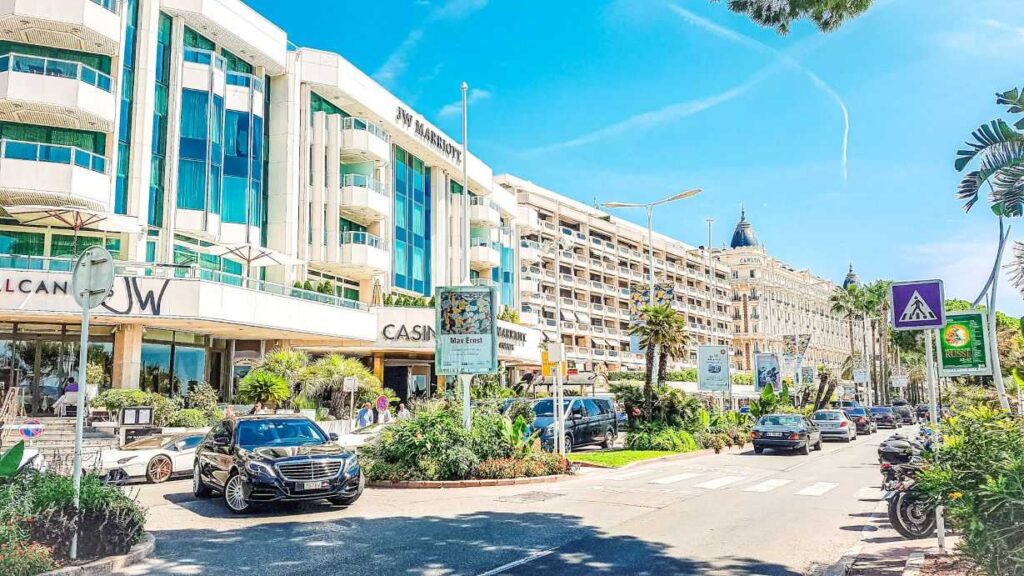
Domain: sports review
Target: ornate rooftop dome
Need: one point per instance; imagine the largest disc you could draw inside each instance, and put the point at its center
(744, 236)
(851, 278)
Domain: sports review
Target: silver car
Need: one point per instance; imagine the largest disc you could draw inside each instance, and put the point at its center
(835, 424)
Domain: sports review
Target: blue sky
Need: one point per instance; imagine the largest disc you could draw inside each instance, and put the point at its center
(637, 99)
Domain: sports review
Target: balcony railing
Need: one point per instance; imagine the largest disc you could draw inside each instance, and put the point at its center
(112, 5)
(246, 80)
(482, 282)
(352, 123)
(55, 68)
(205, 57)
(364, 238)
(364, 181)
(483, 201)
(52, 153)
(183, 272)
(493, 244)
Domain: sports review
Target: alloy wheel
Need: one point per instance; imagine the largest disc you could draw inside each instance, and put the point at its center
(234, 494)
(159, 469)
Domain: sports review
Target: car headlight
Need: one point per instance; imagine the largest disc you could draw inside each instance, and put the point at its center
(260, 468)
(351, 465)
(126, 459)
(548, 430)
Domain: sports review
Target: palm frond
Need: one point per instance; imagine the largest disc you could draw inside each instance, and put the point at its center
(1015, 100)
(998, 157)
(994, 133)
(1008, 191)
(1016, 267)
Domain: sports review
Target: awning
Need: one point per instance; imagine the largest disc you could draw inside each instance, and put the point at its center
(251, 255)
(599, 342)
(567, 316)
(583, 317)
(550, 336)
(73, 217)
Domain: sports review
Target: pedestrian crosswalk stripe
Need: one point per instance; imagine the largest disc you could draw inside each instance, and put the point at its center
(676, 478)
(632, 474)
(719, 482)
(817, 489)
(869, 493)
(768, 485)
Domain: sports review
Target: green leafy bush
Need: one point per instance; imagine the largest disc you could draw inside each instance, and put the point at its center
(24, 558)
(189, 418)
(657, 436)
(672, 407)
(115, 399)
(539, 464)
(264, 387)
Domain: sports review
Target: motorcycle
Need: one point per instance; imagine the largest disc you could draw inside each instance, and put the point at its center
(910, 512)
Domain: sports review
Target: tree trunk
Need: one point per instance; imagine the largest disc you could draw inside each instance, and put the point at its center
(879, 399)
(853, 351)
(662, 367)
(649, 384)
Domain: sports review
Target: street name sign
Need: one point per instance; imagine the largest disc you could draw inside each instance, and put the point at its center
(917, 305)
(963, 345)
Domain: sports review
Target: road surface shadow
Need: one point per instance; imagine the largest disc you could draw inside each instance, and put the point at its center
(465, 544)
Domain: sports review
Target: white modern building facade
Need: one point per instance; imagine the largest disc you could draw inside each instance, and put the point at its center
(256, 196)
(579, 265)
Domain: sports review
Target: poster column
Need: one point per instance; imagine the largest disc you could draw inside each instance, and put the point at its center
(467, 337)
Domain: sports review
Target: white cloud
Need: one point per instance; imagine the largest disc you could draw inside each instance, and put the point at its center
(475, 96)
(665, 114)
(450, 11)
(987, 37)
(964, 264)
(781, 57)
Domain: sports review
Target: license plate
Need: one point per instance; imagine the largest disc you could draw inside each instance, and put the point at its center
(775, 434)
(312, 485)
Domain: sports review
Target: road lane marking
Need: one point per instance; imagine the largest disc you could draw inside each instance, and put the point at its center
(633, 474)
(768, 485)
(520, 562)
(676, 478)
(869, 493)
(720, 482)
(817, 489)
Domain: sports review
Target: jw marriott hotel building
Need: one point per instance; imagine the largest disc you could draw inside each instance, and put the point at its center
(258, 195)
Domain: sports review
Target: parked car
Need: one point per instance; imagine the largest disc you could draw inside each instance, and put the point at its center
(588, 420)
(885, 417)
(834, 424)
(256, 459)
(847, 404)
(906, 414)
(786, 432)
(923, 413)
(862, 418)
(155, 458)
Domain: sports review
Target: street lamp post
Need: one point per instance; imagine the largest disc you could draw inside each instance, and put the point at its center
(556, 247)
(649, 206)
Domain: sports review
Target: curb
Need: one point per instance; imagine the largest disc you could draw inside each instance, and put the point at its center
(914, 564)
(107, 565)
(844, 564)
(436, 484)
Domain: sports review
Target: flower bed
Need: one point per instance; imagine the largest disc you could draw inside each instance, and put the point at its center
(37, 521)
(433, 445)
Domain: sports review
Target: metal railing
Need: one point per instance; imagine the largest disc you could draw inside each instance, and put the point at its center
(205, 57)
(180, 272)
(52, 153)
(363, 238)
(482, 282)
(111, 5)
(55, 68)
(245, 80)
(364, 181)
(353, 123)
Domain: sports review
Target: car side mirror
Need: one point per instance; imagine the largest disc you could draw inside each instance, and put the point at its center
(333, 436)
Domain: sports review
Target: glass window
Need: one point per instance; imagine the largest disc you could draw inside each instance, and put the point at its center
(194, 124)
(191, 184)
(234, 200)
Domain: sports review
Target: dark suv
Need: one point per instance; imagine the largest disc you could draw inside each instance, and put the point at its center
(254, 459)
(587, 421)
(886, 416)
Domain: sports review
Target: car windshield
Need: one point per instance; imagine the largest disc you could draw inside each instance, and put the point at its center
(779, 420)
(279, 432)
(880, 410)
(148, 442)
(547, 407)
(856, 412)
(827, 416)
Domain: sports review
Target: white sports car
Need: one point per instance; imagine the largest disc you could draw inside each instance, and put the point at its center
(156, 458)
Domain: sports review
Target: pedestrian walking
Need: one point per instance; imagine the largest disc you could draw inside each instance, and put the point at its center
(365, 416)
(403, 412)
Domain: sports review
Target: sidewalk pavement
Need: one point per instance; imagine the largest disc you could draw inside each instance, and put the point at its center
(884, 552)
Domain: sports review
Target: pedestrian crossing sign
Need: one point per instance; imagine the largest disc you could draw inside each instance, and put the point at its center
(917, 305)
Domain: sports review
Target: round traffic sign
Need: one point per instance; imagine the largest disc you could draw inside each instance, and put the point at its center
(93, 277)
(31, 429)
(382, 403)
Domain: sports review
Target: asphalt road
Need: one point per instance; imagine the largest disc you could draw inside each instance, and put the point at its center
(735, 513)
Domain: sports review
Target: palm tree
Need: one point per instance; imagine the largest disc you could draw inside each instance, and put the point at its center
(780, 14)
(663, 328)
(999, 149)
(292, 365)
(326, 377)
(846, 302)
(879, 297)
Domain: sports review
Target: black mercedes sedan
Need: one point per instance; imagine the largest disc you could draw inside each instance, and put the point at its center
(255, 459)
(786, 432)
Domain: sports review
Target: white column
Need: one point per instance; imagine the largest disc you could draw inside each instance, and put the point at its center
(317, 205)
(284, 181)
(173, 136)
(333, 168)
(442, 255)
(144, 103)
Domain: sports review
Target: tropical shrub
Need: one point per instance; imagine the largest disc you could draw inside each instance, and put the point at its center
(23, 558)
(115, 399)
(657, 436)
(264, 387)
(978, 474)
(189, 418)
(11, 461)
(204, 398)
(670, 406)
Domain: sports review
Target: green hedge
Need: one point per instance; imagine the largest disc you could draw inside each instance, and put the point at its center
(686, 375)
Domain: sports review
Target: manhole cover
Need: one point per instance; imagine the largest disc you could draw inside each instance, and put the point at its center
(528, 497)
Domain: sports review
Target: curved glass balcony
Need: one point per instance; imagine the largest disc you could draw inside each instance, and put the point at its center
(364, 199)
(362, 140)
(55, 92)
(33, 173)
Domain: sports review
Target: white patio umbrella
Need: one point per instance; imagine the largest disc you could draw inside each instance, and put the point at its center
(74, 217)
(251, 255)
